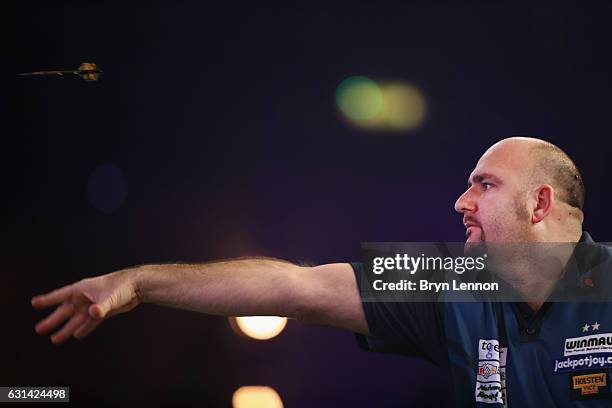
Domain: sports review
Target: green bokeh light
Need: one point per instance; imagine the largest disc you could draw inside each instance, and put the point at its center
(359, 98)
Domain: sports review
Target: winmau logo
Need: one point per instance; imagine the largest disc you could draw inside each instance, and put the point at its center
(597, 343)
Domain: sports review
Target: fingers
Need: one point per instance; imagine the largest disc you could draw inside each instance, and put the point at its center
(94, 321)
(86, 328)
(69, 328)
(52, 298)
(63, 312)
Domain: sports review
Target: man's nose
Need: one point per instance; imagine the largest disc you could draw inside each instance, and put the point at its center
(465, 202)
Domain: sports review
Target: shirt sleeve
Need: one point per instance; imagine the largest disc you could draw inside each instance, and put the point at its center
(412, 329)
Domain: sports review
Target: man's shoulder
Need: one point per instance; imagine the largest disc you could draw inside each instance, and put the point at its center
(594, 262)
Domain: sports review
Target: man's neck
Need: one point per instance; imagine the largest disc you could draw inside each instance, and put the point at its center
(535, 276)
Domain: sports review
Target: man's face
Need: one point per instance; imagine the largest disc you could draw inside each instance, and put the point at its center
(494, 206)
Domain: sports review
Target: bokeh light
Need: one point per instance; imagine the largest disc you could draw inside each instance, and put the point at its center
(359, 98)
(402, 107)
(259, 327)
(107, 188)
(256, 397)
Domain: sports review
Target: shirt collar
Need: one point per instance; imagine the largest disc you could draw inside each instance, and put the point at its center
(579, 269)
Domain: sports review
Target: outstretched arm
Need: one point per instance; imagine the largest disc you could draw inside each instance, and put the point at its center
(325, 294)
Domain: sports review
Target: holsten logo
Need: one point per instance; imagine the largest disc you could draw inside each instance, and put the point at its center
(596, 343)
(590, 383)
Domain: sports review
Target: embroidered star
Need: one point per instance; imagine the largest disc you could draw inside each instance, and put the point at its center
(585, 328)
(596, 326)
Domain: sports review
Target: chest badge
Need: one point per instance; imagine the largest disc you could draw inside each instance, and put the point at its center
(590, 384)
(491, 374)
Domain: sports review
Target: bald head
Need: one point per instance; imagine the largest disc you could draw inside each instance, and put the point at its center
(545, 163)
(523, 189)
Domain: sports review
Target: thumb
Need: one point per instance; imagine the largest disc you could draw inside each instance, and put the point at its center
(100, 310)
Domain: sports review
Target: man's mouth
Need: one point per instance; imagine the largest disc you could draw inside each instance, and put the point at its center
(469, 228)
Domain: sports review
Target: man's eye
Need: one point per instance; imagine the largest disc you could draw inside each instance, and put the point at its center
(486, 186)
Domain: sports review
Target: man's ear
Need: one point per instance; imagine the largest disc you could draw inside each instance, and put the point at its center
(545, 198)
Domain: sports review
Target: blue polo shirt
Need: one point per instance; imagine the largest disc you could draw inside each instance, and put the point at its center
(505, 354)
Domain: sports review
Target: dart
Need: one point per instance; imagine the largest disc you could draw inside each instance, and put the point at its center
(89, 71)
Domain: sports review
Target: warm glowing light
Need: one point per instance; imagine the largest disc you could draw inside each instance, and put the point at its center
(261, 327)
(256, 397)
(403, 107)
(359, 98)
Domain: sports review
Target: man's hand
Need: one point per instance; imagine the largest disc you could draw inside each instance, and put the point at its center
(85, 304)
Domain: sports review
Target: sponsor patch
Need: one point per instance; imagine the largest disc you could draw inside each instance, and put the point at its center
(490, 377)
(589, 385)
(503, 352)
(595, 343)
(490, 392)
(488, 350)
(582, 362)
(488, 371)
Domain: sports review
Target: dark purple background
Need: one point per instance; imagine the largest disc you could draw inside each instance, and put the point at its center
(224, 123)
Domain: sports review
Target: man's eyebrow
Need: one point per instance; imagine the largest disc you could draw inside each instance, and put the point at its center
(478, 178)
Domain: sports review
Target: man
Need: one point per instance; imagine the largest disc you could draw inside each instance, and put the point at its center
(522, 190)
